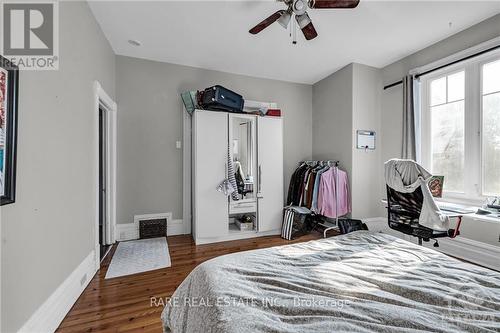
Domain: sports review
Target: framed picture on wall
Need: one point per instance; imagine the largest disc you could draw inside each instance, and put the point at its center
(9, 80)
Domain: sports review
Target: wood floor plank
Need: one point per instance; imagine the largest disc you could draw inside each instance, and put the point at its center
(123, 304)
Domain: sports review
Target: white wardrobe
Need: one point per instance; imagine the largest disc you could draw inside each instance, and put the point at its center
(256, 147)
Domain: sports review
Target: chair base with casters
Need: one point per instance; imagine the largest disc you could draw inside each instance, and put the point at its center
(404, 212)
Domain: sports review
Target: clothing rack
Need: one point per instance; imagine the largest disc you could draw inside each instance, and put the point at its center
(328, 226)
(321, 162)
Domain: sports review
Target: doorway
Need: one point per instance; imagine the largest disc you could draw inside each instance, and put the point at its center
(103, 246)
(105, 118)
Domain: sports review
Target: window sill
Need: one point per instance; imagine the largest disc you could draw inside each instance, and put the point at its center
(494, 217)
(463, 201)
(484, 218)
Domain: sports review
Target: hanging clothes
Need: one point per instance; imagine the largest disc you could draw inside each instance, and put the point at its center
(238, 169)
(295, 185)
(303, 188)
(230, 174)
(333, 193)
(314, 203)
(321, 188)
(310, 187)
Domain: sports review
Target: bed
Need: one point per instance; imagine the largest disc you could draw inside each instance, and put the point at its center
(359, 282)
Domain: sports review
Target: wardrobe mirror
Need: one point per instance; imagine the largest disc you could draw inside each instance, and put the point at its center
(243, 143)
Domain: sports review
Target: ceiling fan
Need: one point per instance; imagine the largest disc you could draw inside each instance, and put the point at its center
(299, 9)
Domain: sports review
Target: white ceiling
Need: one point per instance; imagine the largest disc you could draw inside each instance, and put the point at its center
(214, 35)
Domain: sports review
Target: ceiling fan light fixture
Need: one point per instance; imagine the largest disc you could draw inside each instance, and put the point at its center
(285, 18)
(303, 20)
(299, 5)
(299, 9)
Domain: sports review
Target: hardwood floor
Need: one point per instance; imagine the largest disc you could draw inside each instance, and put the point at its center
(124, 304)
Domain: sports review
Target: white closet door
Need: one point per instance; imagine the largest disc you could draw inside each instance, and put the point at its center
(270, 173)
(210, 158)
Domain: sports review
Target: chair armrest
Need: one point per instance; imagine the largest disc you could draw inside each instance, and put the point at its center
(455, 232)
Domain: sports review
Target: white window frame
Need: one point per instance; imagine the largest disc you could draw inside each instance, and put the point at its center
(473, 107)
(491, 58)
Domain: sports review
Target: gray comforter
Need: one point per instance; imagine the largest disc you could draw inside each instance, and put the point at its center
(360, 282)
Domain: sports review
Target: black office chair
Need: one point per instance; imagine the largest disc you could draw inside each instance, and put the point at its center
(404, 213)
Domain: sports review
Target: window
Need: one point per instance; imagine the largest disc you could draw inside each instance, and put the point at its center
(461, 127)
(491, 128)
(448, 129)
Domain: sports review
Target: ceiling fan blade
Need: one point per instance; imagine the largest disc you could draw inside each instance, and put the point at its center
(319, 4)
(309, 31)
(306, 25)
(267, 22)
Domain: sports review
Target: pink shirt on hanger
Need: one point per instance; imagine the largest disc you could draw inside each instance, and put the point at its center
(327, 196)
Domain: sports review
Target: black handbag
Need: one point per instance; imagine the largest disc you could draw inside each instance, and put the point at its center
(349, 225)
(296, 222)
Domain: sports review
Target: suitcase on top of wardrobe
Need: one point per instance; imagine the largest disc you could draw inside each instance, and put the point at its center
(223, 99)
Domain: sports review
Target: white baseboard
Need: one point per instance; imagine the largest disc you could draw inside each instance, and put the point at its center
(126, 231)
(468, 249)
(176, 228)
(464, 248)
(50, 314)
(236, 236)
(130, 231)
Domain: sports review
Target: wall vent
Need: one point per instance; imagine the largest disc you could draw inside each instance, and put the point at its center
(152, 225)
(152, 228)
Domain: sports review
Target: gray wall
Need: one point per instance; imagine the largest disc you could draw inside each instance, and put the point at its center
(150, 110)
(332, 118)
(392, 99)
(48, 232)
(344, 102)
(366, 173)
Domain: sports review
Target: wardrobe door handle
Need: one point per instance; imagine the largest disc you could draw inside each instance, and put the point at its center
(260, 179)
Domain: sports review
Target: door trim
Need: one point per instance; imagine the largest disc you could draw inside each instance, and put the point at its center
(104, 102)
